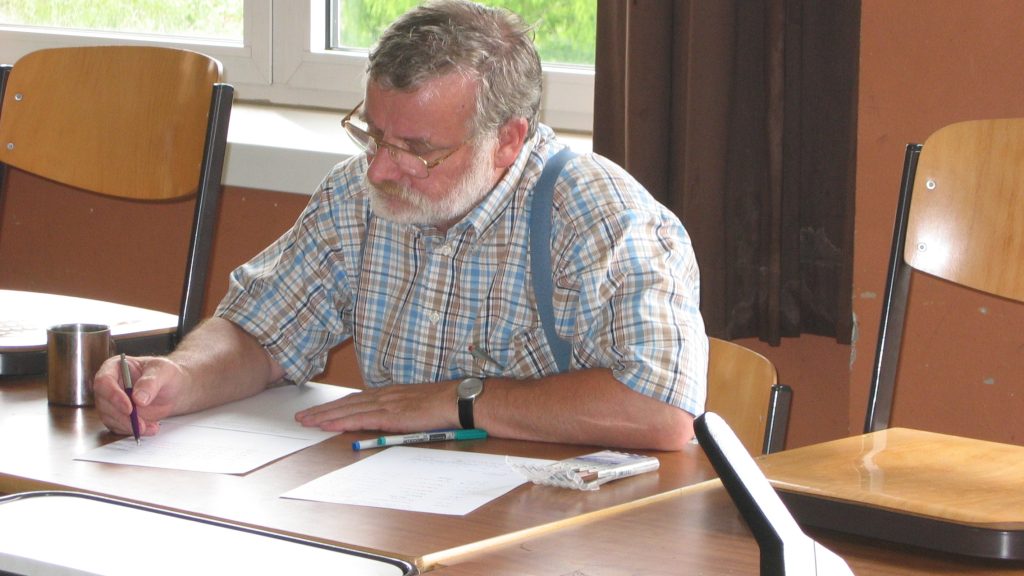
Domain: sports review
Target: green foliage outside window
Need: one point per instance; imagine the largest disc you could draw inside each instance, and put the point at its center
(565, 30)
(218, 19)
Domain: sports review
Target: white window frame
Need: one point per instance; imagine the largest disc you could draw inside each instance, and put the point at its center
(294, 72)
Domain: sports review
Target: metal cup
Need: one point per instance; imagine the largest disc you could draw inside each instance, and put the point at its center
(74, 352)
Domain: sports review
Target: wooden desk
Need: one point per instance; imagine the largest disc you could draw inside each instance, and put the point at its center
(674, 521)
(40, 442)
(697, 531)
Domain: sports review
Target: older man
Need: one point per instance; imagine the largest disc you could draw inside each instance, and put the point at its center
(418, 250)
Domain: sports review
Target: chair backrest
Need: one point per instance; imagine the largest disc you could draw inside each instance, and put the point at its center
(961, 206)
(126, 121)
(743, 389)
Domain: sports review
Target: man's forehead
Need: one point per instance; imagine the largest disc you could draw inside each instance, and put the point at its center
(448, 94)
(444, 104)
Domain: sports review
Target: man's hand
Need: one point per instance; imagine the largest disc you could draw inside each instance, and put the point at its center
(216, 363)
(397, 408)
(157, 384)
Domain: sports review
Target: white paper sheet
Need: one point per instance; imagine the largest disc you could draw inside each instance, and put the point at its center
(418, 480)
(232, 439)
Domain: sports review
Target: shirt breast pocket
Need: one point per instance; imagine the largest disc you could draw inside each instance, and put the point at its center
(522, 354)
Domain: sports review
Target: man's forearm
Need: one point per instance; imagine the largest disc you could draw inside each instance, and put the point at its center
(581, 407)
(224, 363)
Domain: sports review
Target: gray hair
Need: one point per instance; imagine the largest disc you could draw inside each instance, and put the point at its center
(492, 46)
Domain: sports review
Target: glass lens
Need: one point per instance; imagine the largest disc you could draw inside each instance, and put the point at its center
(407, 162)
(360, 137)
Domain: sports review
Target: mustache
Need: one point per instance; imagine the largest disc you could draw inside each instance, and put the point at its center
(398, 191)
(391, 189)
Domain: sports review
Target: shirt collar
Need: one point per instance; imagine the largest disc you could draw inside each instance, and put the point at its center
(497, 200)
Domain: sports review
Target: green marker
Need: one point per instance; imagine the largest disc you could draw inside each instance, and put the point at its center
(419, 438)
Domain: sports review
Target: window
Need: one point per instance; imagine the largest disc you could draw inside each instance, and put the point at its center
(566, 30)
(214, 20)
(294, 52)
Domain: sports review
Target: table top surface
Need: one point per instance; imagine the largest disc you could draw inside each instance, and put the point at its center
(677, 520)
(696, 532)
(41, 441)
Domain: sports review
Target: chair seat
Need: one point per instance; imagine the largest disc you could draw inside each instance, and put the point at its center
(914, 487)
(28, 314)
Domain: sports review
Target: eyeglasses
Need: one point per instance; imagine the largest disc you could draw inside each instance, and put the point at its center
(407, 160)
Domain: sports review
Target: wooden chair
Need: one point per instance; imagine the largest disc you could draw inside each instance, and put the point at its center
(743, 389)
(961, 210)
(132, 122)
(960, 218)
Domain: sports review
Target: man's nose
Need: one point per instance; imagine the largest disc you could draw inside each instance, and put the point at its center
(383, 168)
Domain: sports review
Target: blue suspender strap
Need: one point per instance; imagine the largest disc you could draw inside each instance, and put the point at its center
(540, 255)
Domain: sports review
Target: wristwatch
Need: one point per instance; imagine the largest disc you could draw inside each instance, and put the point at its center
(469, 389)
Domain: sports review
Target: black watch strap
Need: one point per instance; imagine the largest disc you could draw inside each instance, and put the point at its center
(466, 412)
(468, 390)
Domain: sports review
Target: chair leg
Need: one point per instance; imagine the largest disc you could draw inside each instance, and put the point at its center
(778, 418)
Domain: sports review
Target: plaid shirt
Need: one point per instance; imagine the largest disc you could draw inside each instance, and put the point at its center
(416, 302)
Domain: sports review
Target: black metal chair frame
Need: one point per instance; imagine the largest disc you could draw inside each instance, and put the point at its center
(207, 206)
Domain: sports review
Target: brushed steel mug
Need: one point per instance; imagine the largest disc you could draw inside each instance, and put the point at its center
(74, 352)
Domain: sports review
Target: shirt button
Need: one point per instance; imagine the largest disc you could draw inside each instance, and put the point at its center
(445, 250)
(435, 317)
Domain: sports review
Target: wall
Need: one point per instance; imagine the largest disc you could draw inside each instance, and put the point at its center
(926, 64)
(81, 248)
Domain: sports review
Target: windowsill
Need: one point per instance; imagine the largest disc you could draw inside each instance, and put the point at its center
(290, 150)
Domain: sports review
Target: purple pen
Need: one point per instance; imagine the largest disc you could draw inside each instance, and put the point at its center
(126, 377)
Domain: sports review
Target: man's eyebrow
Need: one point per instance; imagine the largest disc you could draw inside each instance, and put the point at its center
(421, 144)
(418, 145)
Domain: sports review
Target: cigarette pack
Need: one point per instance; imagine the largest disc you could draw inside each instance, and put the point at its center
(590, 471)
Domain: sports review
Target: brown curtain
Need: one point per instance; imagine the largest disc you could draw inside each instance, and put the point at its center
(740, 115)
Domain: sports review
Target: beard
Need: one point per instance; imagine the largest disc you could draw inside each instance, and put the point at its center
(401, 204)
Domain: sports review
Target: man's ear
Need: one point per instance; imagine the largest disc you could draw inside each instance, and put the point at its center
(511, 137)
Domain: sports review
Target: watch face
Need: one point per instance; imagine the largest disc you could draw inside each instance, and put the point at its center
(470, 388)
